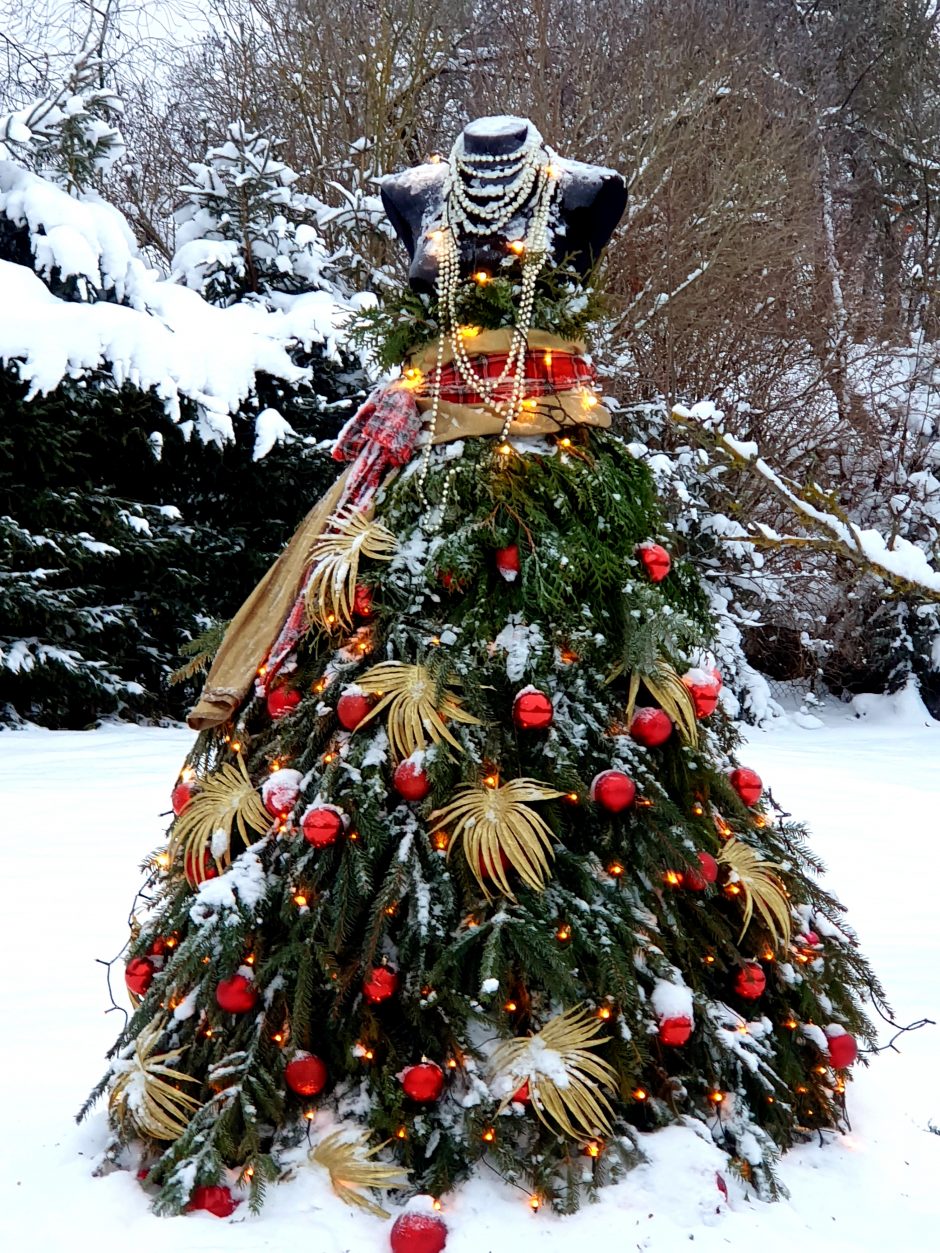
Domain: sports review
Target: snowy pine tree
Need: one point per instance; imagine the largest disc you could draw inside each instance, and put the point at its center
(244, 229)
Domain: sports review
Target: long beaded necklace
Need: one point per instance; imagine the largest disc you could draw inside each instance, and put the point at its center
(475, 203)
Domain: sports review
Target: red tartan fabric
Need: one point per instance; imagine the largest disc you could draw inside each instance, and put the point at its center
(382, 434)
(546, 372)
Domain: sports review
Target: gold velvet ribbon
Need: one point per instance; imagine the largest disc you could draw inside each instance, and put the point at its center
(256, 626)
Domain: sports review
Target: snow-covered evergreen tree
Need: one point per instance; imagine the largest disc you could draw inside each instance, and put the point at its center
(244, 229)
(155, 451)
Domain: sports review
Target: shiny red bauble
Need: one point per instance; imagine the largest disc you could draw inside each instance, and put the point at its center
(423, 1083)
(418, 1233)
(215, 1199)
(280, 790)
(196, 875)
(843, 1050)
(650, 727)
(532, 710)
(656, 561)
(236, 995)
(305, 1074)
(281, 701)
(380, 983)
(508, 562)
(322, 825)
(138, 975)
(747, 783)
(750, 982)
(362, 601)
(180, 797)
(698, 880)
(410, 781)
(704, 689)
(522, 1096)
(613, 790)
(811, 938)
(352, 708)
(674, 1032)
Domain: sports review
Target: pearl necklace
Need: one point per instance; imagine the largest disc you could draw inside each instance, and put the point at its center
(487, 211)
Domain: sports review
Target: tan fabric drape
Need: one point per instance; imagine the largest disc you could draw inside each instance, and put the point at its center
(256, 626)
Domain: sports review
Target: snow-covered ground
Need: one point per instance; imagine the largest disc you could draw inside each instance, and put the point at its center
(78, 811)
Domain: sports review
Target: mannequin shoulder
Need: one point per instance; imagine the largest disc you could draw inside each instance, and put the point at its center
(587, 186)
(413, 189)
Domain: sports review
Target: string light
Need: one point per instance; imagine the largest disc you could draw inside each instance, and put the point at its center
(163, 860)
(510, 1007)
(452, 1063)
(505, 449)
(436, 1204)
(716, 1097)
(440, 840)
(391, 909)
(572, 797)
(565, 443)
(535, 1202)
(481, 277)
(791, 1024)
(548, 358)
(310, 1114)
(300, 899)
(566, 656)
(615, 869)
(517, 246)
(673, 878)
(594, 1148)
(491, 780)
(469, 332)
(250, 959)
(698, 809)
(187, 773)
(435, 158)
(401, 1133)
(733, 889)
(353, 837)
(709, 959)
(604, 1012)
(640, 1094)
(643, 802)
(563, 933)
(489, 1135)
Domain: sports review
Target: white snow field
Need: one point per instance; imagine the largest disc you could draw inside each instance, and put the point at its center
(79, 811)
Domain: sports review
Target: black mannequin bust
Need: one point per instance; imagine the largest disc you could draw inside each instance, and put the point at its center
(589, 203)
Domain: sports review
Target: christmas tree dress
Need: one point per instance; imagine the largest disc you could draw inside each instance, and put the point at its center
(462, 865)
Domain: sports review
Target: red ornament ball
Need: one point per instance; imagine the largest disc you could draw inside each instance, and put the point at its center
(418, 1233)
(322, 825)
(532, 710)
(352, 707)
(656, 561)
(216, 1199)
(522, 1096)
(750, 982)
(281, 701)
(138, 975)
(410, 781)
(487, 867)
(811, 938)
(507, 562)
(703, 687)
(698, 880)
(180, 797)
(674, 1032)
(305, 1074)
(843, 1050)
(195, 875)
(362, 601)
(613, 790)
(651, 727)
(747, 783)
(280, 790)
(236, 995)
(423, 1083)
(380, 983)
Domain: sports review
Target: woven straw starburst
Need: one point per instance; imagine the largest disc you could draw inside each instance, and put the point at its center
(226, 798)
(567, 1083)
(416, 710)
(146, 1096)
(672, 696)
(761, 889)
(499, 831)
(331, 590)
(349, 1163)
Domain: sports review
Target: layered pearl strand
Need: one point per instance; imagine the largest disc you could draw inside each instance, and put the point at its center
(470, 208)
